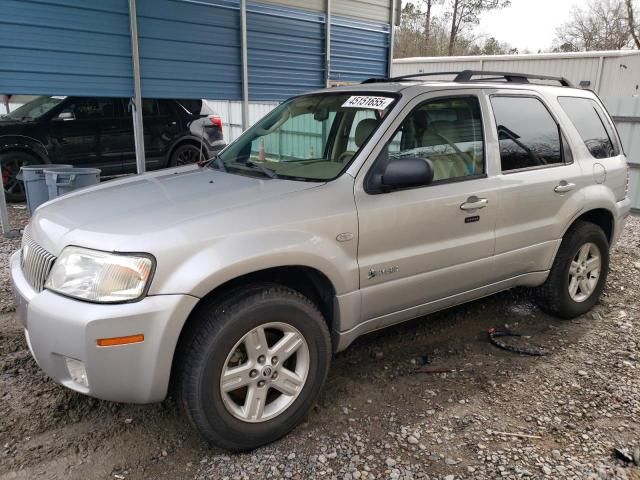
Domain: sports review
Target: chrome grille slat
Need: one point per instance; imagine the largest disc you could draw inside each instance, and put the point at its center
(36, 262)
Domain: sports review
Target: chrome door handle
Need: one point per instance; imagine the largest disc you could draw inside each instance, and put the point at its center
(474, 203)
(564, 187)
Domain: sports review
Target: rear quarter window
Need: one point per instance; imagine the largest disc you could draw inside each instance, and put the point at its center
(592, 125)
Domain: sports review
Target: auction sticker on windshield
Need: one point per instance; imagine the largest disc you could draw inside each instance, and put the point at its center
(366, 101)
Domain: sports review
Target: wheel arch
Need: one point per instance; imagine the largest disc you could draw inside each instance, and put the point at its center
(309, 281)
(599, 216)
(187, 140)
(24, 144)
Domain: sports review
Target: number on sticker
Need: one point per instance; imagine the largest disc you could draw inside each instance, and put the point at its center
(366, 101)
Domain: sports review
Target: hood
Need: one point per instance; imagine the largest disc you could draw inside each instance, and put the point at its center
(9, 126)
(119, 212)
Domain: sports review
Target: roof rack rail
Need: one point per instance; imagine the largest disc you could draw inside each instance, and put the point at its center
(467, 76)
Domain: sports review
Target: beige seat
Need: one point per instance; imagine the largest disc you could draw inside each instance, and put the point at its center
(363, 130)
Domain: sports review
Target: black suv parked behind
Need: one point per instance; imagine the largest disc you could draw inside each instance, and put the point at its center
(98, 132)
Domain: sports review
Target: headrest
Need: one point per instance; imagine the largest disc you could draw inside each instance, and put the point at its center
(364, 129)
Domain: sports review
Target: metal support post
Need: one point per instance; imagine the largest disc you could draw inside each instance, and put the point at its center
(245, 64)
(136, 101)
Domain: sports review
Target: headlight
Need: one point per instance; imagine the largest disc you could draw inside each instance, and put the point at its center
(100, 276)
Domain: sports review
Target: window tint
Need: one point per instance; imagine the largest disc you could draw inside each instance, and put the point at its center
(149, 107)
(446, 131)
(590, 121)
(528, 135)
(93, 108)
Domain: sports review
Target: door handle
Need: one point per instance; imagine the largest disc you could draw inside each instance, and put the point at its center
(564, 187)
(474, 203)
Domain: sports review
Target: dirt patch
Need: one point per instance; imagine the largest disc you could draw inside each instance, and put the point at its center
(377, 417)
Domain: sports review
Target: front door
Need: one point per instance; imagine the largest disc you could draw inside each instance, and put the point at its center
(425, 244)
(75, 132)
(83, 132)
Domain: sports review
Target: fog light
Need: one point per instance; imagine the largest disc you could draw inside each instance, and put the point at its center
(77, 371)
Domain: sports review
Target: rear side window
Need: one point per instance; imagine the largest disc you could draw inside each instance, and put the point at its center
(529, 136)
(591, 123)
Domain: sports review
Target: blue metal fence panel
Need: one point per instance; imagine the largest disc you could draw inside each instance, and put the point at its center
(65, 47)
(286, 51)
(190, 49)
(359, 49)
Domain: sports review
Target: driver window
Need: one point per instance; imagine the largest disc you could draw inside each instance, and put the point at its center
(92, 108)
(447, 132)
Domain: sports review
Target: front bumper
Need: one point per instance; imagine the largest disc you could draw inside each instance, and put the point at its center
(57, 327)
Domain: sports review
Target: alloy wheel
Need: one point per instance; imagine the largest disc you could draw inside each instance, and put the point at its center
(187, 156)
(265, 372)
(10, 182)
(584, 272)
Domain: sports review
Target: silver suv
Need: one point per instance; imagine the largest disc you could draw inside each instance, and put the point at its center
(341, 212)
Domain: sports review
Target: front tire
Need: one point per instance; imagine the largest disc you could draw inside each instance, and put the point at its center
(578, 274)
(10, 163)
(253, 365)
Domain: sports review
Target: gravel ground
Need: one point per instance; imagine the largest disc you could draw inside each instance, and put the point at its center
(499, 415)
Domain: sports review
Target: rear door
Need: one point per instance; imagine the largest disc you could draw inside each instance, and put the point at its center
(161, 126)
(538, 192)
(424, 244)
(115, 137)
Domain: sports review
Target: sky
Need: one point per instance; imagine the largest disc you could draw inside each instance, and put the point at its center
(527, 24)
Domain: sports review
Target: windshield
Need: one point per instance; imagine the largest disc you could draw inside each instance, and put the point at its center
(35, 108)
(311, 138)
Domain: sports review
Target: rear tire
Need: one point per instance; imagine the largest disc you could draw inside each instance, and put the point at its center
(10, 163)
(224, 338)
(579, 272)
(187, 154)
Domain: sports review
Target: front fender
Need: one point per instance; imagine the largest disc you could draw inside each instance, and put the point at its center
(238, 255)
(26, 144)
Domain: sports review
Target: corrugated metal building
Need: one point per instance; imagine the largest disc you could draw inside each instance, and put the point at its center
(614, 76)
(246, 54)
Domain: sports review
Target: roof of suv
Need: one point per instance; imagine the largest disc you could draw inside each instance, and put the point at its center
(464, 79)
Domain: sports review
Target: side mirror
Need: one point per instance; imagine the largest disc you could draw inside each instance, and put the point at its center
(66, 116)
(407, 172)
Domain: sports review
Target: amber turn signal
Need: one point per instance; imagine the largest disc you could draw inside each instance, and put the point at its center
(112, 342)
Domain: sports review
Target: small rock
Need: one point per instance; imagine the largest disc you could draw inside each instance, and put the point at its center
(377, 355)
(390, 462)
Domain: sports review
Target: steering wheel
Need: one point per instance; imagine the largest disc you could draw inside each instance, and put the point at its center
(346, 155)
(286, 114)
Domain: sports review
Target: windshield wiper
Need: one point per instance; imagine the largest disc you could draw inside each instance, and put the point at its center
(215, 158)
(267, 171)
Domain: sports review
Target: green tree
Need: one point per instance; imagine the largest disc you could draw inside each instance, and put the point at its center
(467, 12)
(634, 28)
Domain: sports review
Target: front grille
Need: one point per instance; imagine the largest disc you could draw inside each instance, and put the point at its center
(36, 262)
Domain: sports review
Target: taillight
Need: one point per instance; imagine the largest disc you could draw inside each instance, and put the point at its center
(216, 120)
